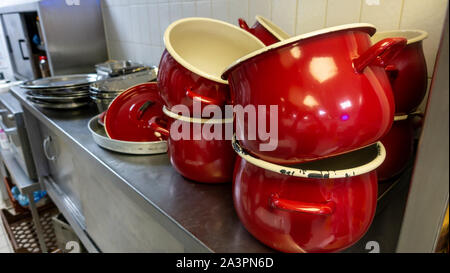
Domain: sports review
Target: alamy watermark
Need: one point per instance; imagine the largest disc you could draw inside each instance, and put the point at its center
(215, 122)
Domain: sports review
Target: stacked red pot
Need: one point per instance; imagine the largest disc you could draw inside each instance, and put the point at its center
(315, 190)
(408, 76)
(197, 51)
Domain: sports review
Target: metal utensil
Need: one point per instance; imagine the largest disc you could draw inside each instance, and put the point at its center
(126, 147)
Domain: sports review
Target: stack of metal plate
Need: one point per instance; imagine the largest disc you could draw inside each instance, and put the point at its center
(103, 92)
(60, 92)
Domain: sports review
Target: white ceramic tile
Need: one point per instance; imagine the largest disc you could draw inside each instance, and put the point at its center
(259, 7)
(384, 14)
(146, 55)
(126, 24)
(284, 13)
(310, 15)
(238, 9)
(204, 9)
(428, 16)
(341, 12)
(175, 11)
(188, 9)
(220, 10)
(144, 25)
(153, 21)
(164, 22)
(135, 26)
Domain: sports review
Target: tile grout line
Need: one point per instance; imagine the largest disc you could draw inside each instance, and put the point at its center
(326, 14)
(296, 17)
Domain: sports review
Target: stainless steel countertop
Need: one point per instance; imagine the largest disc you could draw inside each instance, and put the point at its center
(206, 212)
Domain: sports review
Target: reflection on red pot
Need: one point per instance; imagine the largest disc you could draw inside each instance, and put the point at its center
(202, 160)
(331, 89)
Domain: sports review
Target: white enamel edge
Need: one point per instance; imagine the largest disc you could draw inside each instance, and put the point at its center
(272, 28)
(418, 35)
(186, 64)
(298, 38)
(377, 161)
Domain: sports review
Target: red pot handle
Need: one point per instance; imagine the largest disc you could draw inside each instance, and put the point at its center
(157, 127)
(303, 207)
(203, 99)
(380, 53)
(243, 25)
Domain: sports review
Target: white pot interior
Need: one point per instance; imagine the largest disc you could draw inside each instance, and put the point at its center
(412, 36)
(272, 28)
(206, 46)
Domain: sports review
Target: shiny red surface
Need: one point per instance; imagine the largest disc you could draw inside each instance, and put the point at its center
(399, 149)
(206, 161)
(346, 205)
(325, 106)
(125, 121)
(408, 75)
(259, 31)
(178, 85)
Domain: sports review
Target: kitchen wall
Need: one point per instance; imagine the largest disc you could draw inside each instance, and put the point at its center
(134, 28)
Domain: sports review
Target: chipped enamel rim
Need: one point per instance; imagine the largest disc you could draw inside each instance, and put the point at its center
(369, 28)
(275, 30)
(314, 174)
(186, 64)
(195, 120)
(417, 34)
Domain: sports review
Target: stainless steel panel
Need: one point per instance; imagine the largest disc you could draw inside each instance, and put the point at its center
(17, 37)
(74, 35)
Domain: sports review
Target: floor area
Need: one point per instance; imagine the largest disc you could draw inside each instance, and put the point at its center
(5, 245)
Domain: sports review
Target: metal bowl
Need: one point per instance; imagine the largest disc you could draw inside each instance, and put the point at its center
(126, 147)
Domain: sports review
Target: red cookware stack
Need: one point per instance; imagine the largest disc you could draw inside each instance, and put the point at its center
(408, 76)
(313, 188)
(197, 51)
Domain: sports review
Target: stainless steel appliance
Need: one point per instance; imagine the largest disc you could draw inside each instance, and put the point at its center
(70, 36)
(12, 123)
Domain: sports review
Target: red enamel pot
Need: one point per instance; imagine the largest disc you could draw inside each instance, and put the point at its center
(195, 156)
(408, 70)
(197, 51)
(321, 206)
(399, 144)
(329, 87)
(267, 31)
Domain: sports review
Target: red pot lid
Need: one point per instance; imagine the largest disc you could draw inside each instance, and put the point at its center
(101, 118)
(129, 113)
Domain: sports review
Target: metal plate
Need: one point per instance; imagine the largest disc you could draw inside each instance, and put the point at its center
(50, 105)
(126, 147)
(65, 98)
(58, 82)
(122, 83)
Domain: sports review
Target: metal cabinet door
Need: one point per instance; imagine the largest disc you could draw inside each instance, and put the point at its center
(62, 168)
(21, 51)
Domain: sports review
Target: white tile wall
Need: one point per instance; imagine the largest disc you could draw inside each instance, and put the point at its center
(135, 28)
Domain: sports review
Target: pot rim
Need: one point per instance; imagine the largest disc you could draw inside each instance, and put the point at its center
(369, 28)
(186, 64)
(420, 34)
(270, 26)
(314, 174)
(173, 115)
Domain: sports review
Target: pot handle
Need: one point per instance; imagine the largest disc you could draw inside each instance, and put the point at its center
(203, 99)
(303, 207)
(157, 127)
(243, 25)
(380, 53)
